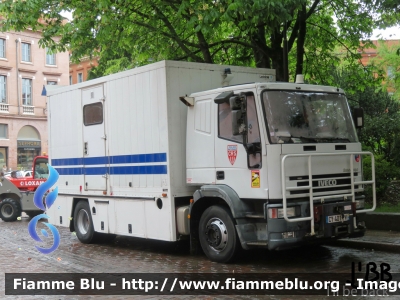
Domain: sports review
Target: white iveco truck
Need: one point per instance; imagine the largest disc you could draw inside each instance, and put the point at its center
(222, 155)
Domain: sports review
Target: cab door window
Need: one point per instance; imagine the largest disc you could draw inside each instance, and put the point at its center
(225, 124)
(253, 135)
(252, 142)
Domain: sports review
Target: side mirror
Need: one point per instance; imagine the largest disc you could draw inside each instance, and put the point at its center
(358, 117)
(238, 105)
(223, 97)
(235, 103)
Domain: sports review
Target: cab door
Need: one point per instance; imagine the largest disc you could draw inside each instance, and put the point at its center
(94, 139)
(235, 166)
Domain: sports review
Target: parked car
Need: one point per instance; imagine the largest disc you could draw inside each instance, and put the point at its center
(18, 174)
(27, 173)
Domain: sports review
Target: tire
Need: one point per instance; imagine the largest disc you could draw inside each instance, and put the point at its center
(10, 210)
(83, 223)
(217, 234)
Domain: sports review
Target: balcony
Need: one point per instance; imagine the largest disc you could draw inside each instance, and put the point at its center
(4, 108)
(28, 110)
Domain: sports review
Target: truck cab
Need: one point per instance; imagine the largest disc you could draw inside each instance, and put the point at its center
(282, 161)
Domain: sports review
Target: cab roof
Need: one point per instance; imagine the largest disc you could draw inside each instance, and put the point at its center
(280, 86)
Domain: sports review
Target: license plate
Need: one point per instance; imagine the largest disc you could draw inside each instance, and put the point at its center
(337, 218)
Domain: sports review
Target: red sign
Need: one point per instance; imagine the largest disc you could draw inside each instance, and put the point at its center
(232, 153)
(33, 183)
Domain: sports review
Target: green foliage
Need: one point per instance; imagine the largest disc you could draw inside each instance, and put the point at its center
(388, 59)
(387, 207)
(238, 32)
(313, 37)
(381, 134)
(110, 67)
(385, 172)
(387, 10)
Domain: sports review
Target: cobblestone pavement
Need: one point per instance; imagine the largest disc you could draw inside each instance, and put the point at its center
(131, 255)
(378, 236)
(388, 241)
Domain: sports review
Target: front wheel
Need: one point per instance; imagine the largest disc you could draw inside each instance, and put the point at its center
(83, 223)
(10, 210)
(217, 234)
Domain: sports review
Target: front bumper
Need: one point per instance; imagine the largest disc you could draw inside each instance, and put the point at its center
(277, 242)
(283, 234)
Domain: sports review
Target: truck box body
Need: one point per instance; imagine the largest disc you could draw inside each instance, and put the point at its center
(131, 163)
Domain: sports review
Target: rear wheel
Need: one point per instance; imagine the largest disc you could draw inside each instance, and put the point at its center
(217, 234)
(10, 210)
(83, 223)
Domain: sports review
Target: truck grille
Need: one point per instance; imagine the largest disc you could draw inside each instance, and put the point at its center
(324, 183)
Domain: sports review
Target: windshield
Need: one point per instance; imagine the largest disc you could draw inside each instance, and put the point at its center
(308, 117)
(41, 169)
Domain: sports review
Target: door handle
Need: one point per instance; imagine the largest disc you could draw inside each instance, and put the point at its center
(85, 148)
(220, 175)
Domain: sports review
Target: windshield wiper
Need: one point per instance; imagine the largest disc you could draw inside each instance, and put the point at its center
(307, 138)
(317, 139)
(336, 139)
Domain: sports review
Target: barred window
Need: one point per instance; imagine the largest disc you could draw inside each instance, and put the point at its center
(3, 89)
(26, 52)
(26, 91)
(50, 57)
(2, 48)
(3, 131)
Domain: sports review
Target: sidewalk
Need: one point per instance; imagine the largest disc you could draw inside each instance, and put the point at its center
(383, 240)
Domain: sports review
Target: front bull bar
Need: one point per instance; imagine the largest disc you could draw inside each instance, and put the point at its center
(310, 187)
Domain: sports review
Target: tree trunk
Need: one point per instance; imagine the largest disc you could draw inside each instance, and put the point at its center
(277, 55)
(205, 50)
(301, 38)
(260, 49)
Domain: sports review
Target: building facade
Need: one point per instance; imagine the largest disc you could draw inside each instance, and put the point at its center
(24, 69)
(371, 54)
(79, 72)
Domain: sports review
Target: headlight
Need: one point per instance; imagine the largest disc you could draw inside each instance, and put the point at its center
(360, 204)
(277, 213)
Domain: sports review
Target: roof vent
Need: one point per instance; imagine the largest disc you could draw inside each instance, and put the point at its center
(300, 78)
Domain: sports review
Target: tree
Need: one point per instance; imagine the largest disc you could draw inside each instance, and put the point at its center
(261, 33)
(382, 113)
(381, 134)
(388, 59)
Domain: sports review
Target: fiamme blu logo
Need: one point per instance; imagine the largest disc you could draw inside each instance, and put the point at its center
(43, 205)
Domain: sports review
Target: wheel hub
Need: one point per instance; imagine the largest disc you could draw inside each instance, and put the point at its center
(7, 210)
(83, 221)
(217, 234)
